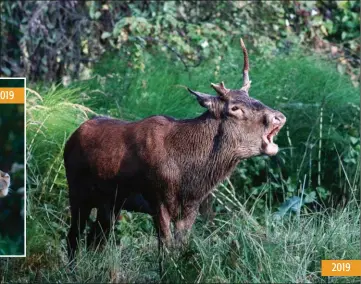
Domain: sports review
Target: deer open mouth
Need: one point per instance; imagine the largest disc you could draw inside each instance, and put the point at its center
(272, 134)
(269, 147)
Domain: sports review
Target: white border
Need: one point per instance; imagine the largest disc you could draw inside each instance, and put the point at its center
(23, 255)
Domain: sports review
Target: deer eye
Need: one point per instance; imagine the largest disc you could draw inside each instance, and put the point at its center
(234, 108)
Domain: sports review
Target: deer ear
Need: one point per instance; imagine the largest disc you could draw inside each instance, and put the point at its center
(203, 99)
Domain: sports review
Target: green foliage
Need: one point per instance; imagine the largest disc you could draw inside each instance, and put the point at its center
(59, 40)
(294, 204)
(346, 26)
(9, 246)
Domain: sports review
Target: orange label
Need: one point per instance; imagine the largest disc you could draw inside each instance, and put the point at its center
(11, 95)
(340, 267)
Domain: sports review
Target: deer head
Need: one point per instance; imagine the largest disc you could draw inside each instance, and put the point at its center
(4, 184)
(250, 124)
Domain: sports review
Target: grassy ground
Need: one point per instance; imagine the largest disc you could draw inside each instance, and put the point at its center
(233, 250)
(245, 243)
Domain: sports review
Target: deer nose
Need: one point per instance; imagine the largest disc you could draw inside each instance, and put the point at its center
(279, 118)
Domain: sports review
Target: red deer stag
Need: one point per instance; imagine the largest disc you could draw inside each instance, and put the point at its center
(163, 166)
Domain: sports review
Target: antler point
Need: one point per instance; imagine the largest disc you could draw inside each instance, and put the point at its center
(242, 43)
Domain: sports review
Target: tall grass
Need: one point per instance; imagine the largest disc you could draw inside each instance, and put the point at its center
(232, 250)
(245, 243)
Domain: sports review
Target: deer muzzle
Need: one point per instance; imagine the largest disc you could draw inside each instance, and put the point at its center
(268, 146)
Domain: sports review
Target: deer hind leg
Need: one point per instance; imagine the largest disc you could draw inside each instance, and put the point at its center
(80, 211)
(100, 230)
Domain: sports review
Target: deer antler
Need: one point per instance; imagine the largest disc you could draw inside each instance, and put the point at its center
(220, 89)
(246, 81)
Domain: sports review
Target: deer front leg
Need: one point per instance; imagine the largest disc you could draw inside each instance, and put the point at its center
(184, 225)
(162, 225)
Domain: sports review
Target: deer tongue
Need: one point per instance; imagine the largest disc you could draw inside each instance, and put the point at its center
(268, 147)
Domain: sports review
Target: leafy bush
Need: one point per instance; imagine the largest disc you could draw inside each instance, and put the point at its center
(58, 40)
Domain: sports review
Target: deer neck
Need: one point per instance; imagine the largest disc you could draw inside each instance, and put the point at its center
(204, 147)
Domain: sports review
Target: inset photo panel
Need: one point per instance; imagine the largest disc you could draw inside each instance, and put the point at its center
(12, 167)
